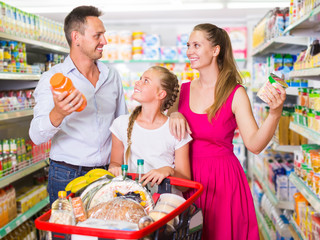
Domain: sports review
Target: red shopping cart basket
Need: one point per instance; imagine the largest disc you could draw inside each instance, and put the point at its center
(187, 211)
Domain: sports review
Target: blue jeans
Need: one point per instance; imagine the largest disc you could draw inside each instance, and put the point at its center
(59, 177)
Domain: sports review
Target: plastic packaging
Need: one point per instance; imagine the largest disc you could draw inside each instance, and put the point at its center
(78, 209)
(119, 186)
(61, 210)
(61, 83)
(118, 209)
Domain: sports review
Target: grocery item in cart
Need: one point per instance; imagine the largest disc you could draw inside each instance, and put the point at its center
(61, 210)
(78, 209)
(274, 81)
(118, 209)
(123, 186)
(167, 203)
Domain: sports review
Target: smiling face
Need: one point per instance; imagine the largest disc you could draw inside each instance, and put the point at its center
(92, 41)
(200, 51)
(148, 88)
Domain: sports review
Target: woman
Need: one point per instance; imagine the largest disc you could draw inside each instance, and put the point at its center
(213, 106)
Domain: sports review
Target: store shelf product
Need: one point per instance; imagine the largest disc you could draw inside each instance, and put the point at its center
(306, 191)
(19, 76)
(306, 132)
(23, 217)
(273, 199)
(22, 173)
(283, 44)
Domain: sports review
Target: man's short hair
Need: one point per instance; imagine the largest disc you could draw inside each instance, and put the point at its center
(76, 20)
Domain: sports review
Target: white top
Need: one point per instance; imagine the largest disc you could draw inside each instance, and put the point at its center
(83, 138)
(155, 146)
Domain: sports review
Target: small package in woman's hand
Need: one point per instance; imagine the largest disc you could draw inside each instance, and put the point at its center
(274, 80)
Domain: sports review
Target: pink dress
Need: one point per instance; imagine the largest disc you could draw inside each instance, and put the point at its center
(226, 202)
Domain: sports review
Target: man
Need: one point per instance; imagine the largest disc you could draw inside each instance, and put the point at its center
(81, 141)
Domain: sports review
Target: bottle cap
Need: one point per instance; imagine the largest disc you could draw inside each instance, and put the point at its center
(57, 80)
(62, 194)
(124, 167)
(140, 162)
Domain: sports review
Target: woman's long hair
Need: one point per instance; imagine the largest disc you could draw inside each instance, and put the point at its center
(229, 75)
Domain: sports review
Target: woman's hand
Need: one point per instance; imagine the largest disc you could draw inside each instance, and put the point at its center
(275, 99)
(115, 171)
(178, 125)
(156, 176)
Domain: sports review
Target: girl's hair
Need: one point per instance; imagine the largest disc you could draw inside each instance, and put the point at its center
(228, 76)
(169, 83)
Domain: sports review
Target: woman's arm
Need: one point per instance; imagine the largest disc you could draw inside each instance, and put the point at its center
(255, 138)
(116, 160)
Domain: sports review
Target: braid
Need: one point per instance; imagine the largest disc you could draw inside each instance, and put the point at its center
(170, 101)
(132, 118)
(169, 83)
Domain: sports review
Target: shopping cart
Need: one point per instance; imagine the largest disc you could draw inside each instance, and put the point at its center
(189, 226)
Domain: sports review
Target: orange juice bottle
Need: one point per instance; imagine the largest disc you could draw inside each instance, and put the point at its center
(61, 83)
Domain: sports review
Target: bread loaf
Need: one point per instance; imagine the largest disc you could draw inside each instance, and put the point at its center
(118, 209)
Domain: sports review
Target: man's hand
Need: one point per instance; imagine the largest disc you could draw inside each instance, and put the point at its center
(64, 105)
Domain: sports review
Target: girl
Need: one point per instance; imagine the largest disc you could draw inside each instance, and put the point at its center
(145, 133)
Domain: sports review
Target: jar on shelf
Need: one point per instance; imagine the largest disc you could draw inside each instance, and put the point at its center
(316, 182)
(315, 160)
(304, 173)
(310, 118)
(304, 116)
(304, 97)
(317, 121)
(310, 177)
(316, 94)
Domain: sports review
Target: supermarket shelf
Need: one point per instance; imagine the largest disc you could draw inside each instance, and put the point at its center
(285, 148)
(296, 233)
(157, 61)
(304, 23)
(310, 73)
(21, 218)
(35, 44)
(16, 114)
(262, 225)
(273, 199)
(306, 191)
(306, 132)
(283, 44)
(19, 76)
(292, 91)
(4, 181)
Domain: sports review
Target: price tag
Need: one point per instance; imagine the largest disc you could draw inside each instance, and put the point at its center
(18, 222)
(24, 218)
(8, 229)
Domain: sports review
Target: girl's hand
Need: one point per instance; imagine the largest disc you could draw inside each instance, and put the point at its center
(275, 98)
(115, 171)
(156, 175)
(178, 125)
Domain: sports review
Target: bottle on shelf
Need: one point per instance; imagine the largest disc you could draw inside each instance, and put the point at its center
(61, 210)
(140, 168)
(61, 83)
